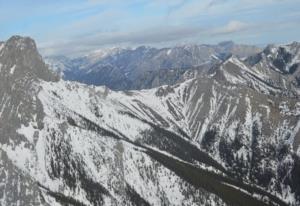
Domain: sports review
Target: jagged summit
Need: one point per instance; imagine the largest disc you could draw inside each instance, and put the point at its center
(19, 58)
(275, 70)
(20, 42)
(281, 54)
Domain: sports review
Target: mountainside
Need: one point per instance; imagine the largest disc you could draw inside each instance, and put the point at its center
(141, 68)
(278, 64)
(229, 137)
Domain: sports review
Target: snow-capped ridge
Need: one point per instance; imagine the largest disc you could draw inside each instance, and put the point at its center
(186, 144)
(99, 54)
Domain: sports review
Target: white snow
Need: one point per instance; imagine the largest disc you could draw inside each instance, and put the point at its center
(12, 69)
(214, 57)
(108, 161)
(169, 51)
(21, 156)
(103, 53)
(28, 132)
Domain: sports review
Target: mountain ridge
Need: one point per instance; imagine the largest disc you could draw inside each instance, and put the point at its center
(208, 140)
(129, 66)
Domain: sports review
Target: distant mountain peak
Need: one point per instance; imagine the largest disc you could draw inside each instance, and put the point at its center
(103, 53)
(295, 44)
(227, 44)
(144, 66)
(270, 48)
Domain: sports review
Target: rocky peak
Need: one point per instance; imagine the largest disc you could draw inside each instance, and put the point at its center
(20, 67)
(284, 58)
(281, 57)
(269, 49)
(21, 43)
(295, 46)
(19, 58)
(226, 44)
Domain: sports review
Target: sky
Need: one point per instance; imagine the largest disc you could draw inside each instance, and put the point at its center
(73, 27)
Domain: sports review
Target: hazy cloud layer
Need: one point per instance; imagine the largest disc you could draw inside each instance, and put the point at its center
(70, 27)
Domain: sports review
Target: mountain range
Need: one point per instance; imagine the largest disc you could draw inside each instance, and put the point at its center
(228, 135)
(145, 67)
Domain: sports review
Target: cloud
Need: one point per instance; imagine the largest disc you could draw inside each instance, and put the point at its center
(92, 24)
(232, 27)
(158, 35)
(154, 35)
(213, 3)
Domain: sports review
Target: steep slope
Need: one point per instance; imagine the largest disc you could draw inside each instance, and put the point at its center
(20, 66)
(124, 69)
(279, 63)
(211, 140)
(56, 153)
(250, 125)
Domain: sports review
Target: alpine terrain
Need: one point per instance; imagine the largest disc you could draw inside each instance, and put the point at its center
(227, 136)
(145, 67)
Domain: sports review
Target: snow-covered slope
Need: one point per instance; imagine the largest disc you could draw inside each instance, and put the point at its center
(211, 140)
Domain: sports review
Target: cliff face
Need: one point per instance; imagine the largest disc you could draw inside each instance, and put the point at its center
(20, 67)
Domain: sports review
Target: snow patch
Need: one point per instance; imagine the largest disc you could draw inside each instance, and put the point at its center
(12, 69)
(28, 132)
(169, 51)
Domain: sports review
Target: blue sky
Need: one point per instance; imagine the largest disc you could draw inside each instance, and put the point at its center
(78, 26)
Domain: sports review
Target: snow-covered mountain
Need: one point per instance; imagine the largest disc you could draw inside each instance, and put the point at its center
(279, 65)
(143, 67)
(228, 137)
